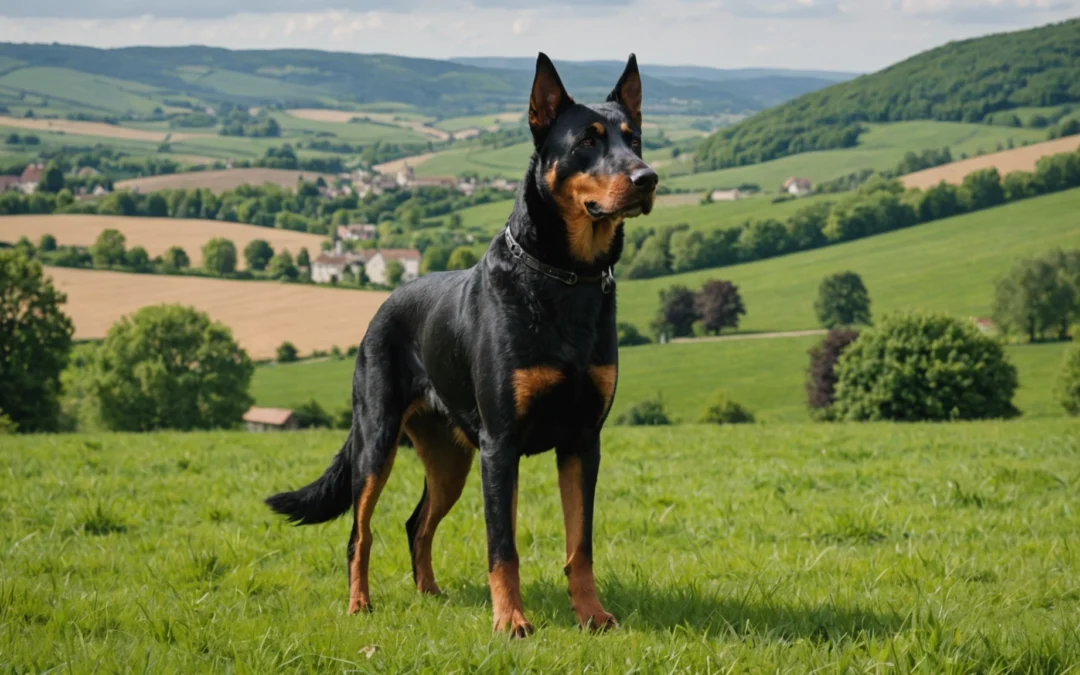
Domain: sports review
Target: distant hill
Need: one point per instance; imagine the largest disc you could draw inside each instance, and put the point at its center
(293, 78)
(961, 81)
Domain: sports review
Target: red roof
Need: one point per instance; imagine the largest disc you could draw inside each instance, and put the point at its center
(277, 417)
(32, 173)
(7, 181)
(400, 253)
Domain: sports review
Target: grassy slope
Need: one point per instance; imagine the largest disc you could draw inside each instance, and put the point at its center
(782, 549)
(81, 90)
(765, 375)
(949, 265)
(881, 148)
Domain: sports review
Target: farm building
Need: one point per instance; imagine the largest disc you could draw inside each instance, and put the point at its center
(30, 178)
(8, 183)
(798, 187)
(357, 232)
(725, 195)
(409, 257)
(329, 268)
(270, 419)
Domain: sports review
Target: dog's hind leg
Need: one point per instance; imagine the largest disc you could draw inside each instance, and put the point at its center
(447, 456)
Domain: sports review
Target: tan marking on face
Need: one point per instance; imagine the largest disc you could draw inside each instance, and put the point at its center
(590, 238)
(603, 378)
(530, 383)
(551, 176)
(625, 128)
(599, 127)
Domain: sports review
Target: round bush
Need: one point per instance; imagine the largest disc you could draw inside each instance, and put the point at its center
(649, 412)
(723, 410)
(821, 378)
(914, 367)
(1069, 381)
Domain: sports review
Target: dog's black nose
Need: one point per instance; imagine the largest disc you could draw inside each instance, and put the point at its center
(645, 178)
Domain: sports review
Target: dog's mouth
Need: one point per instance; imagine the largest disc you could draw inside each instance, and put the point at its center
(634, 209)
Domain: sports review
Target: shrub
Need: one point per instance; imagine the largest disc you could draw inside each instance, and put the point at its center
(630, 336)
(395, 271)
(721, 409)
(649, 412)
(7, 427)
(47, 243)
(461, 258)
(821, 378)
(677, 312)
(719, 306)
(138, 259)
(311, 415)
(175, 259)
(258, 253)
(219, 256)
(286, 352)
(842, 301)
(108, 249)
(918, 366)
(1069, 381)
(281, 266)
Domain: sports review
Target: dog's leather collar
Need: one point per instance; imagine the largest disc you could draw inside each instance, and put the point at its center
(606, 279)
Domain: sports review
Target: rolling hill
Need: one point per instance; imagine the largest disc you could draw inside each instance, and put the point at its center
(139, 79)
(961, 81)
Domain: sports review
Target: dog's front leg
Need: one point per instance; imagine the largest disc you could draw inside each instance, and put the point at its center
(578, 468)
(499, 473)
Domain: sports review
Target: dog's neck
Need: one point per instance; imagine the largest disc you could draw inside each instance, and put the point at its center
(537, 225)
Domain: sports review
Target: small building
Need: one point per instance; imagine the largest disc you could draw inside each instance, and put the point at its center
(363, 232)
(8, 183)
(329, 268)
(270, 419)
(798, 187)
(725, 195)
(100, 191)
(408, 257)
(30, 177)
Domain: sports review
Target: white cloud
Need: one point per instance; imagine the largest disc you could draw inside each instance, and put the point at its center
(985, 11)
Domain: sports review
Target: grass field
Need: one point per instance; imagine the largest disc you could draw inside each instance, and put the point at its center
(949, 265)
(787, 549)
(767, 376)
(98, 129)
(1017, 159)
(880, 148)
(219, 181)
(156, 235)
(261, 314)
(72, 89)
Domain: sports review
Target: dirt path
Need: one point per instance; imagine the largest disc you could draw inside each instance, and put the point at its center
(755, 336)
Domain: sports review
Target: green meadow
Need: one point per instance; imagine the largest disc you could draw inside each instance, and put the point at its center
(785, 548)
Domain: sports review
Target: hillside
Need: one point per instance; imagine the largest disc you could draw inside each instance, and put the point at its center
(139, 79)
(948, 265)
(1017, 159)
(961, 81)
(261, 315)
(221, 180)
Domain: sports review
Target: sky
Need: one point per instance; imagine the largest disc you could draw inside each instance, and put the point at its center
(849, 35)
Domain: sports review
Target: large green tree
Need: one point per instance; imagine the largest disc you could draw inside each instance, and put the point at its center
(842, 301)
(170, 367)
(35, 338)
(109, 249)
(258, 253)
(219, 256)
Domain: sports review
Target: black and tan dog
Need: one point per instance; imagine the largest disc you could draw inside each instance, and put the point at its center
(515, 356)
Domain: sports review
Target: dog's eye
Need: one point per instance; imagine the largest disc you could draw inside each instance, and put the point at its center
(587, 143)
(635, 143)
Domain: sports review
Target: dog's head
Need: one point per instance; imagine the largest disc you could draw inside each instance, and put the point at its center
(589, 158)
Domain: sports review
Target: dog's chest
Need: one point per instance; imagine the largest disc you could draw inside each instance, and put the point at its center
(552, 402)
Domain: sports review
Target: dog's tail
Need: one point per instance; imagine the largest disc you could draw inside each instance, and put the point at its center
(327, 498)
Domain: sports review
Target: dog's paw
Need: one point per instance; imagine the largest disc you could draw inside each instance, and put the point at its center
(515, 623)
(598, 622)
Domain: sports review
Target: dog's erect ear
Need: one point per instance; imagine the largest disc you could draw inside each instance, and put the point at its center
(627, 92)
(548, 98)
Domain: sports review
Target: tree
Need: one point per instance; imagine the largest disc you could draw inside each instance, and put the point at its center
(157, 206)
(651, 260)
(286, 352)
(176, 259)
(722, 409)
(435, 259)
(455, 221)
(108, 249)
(303, 258)
(1039, 296)
(762, 239)
(47, 244)
(138, 259)
(842, 301)
(924, 367)
(170, 367)
(677, 312)
(53, 178)
(258, 253)
(219, 256)
(630, 336)
(719, 305)
(982, 189)
(821, 378)
(1069, 381)
(688, 251)
(281, 266)
(26, 247)
(35, 338)
(394, 272)
(461, 259)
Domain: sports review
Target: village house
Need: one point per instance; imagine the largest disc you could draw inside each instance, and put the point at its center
(329, 268)
(725, 195)
(360, 232)
(270, 419)
(408, 257)
(406, 178)
(798, 187)
(30, 178)
(8, 183)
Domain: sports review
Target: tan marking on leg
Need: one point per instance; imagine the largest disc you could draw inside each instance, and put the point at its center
(359, 596)
(506, 606)
(461, 439)
(578, 568)
(530, 383)
(604, 378)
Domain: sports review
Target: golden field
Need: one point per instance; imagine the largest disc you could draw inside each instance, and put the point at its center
(261, 314)
(1017, 159)
(156, 235)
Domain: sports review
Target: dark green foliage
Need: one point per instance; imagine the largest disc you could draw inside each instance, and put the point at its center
(303, 258)
(821, 377)
(762, 239)
(722, 409)
(916, 367)
(651, 260)
(258, 253)
(35, 338)
(219, 256)
(53, 178)
(718, 305)
(1020, 185)
(1040, 297)
(395, 270)
(282, 267)
(311, 415)
(175, 259)
(941, 201)
(982, 190)
(108, 249)
(286, 352)
(961, 81)
(47, 244)
(842, 301)
(170, 367)
(462, 258)
(137, 259)
(630, 336)
(649, 412)
(1069, 380)
(435, 259)
(677, 312)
